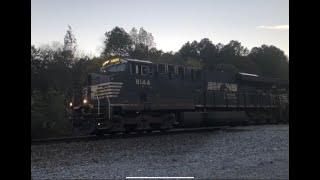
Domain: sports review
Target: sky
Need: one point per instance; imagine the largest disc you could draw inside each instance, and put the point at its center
(171, 22)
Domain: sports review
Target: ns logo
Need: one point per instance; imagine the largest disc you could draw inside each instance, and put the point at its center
(225, 87)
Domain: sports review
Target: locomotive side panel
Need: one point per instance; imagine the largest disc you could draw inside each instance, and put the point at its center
(220, 90)
(173, 91)
(139, 89)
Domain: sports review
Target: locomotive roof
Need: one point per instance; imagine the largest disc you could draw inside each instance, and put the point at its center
(252, 78)
(137, 60)
(149, 62)
(247, 74)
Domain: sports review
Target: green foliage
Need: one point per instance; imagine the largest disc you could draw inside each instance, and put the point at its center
(192, 62)
(227, 68)
(38, 121)
(207, 50)
(189, 50)
(70, 42)
(140, 52)
(48, 114)
(234, 48)
(143, 37)
(57, 114)
(170, 58)
(271, 61)
(154, 54)
(117, 43)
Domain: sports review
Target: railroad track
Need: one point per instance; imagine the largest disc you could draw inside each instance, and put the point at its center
(124, 135)
(62, 139)
(136, 134)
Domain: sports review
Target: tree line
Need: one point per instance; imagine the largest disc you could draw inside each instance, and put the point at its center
(58, 71)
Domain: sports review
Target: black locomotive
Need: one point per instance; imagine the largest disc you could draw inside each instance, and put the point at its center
(138, 95)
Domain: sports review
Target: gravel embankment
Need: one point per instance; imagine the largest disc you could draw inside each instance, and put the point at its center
(253, 152)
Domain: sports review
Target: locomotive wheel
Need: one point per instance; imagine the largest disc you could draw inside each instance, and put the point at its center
(164, 130)
(143, 125)
(273, 119)
(100, 134)
(149, 131)
(140, 132)
(129, 128)
(168, 121)
(250, 118)
(118, 123)
(279, 118)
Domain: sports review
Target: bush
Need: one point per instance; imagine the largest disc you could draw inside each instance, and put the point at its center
(49, 115)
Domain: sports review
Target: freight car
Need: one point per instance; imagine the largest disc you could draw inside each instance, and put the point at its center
(138, 95)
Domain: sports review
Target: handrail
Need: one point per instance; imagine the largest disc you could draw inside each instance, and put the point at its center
(98, 103)
(109, 113)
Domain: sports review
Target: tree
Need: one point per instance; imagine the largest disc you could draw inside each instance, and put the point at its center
(219, 48)
(69, 47)
(227, 68)
(234, 48)
(189, 50)
(207, 52)
(140, 52)
(271, 61)
(70, 42)
(36, 67)
(143, 37)
(170, 58)
(134, 36)
(117, 43)
(50, 80)
(154, 54)
(146, 38)
(36, 60)
(143, 45)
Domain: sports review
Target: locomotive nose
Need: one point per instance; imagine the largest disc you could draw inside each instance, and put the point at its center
(106, 90)
(94, 79)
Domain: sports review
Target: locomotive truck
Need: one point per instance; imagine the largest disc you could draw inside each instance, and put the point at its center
(139, 95)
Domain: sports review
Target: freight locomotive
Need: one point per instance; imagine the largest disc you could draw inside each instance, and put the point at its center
(139, 95)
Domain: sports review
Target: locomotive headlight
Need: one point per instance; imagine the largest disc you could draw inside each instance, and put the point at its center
(70, 104)
(85, 101)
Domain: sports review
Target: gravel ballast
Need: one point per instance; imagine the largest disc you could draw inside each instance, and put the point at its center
(244, 152)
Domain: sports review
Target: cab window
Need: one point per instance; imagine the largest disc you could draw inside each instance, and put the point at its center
(138, 69)
(114, 68)
(144, 70)
(161, 68)
(180, 71)
(171, 69)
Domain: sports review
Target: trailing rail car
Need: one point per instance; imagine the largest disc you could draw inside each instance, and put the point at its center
(138, 95)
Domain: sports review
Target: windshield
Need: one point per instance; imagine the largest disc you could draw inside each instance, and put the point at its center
(114, 68)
